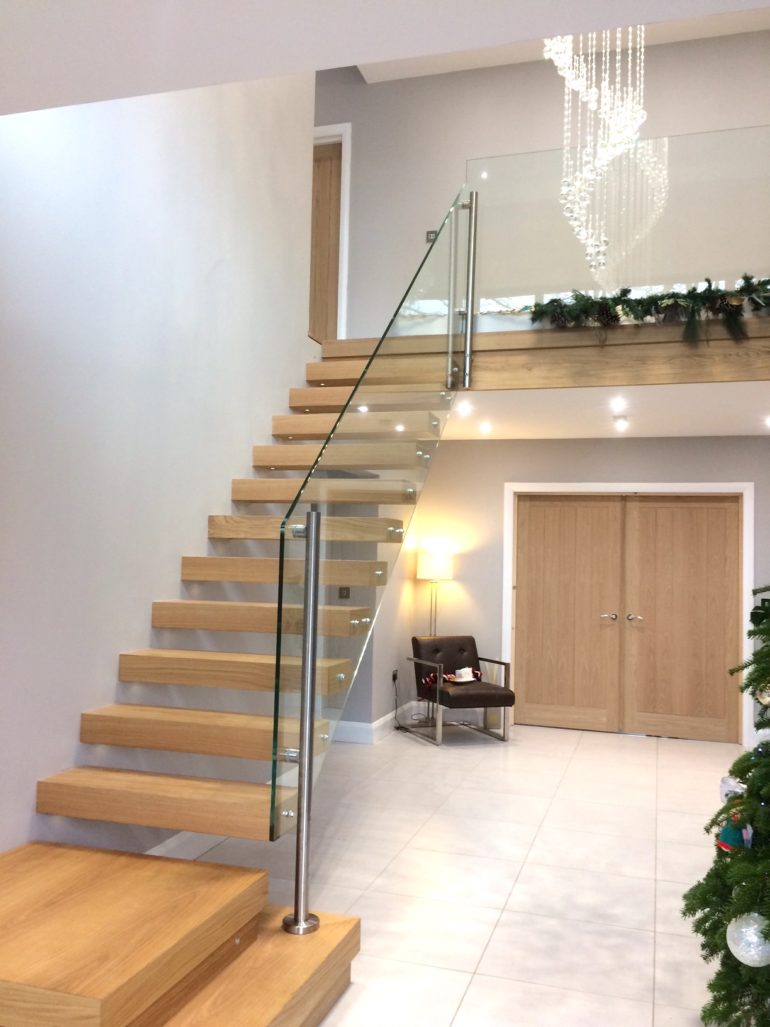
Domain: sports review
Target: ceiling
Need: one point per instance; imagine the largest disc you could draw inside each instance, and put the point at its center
(59, 52)
(654, 411)
(725, 24)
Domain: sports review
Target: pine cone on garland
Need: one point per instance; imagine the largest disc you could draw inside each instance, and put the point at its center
(606, 314)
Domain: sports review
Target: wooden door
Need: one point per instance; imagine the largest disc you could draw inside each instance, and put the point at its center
(567, 655)
(669, 567)
(682, 569)
(325, 241)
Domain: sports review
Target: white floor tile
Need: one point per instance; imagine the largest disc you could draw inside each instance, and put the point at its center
(600, 818)
(385, 992)
(584, 895)
(560, 953)
(475, 837)
(629, 857)
(482, 803)
(442, 934)
(681, 975)
(669, 1016)
(493, 1002)
(450, 878)
(684, 828)
(668, 908)
(686, 863)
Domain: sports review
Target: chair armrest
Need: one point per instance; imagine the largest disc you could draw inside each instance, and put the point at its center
(500, 663)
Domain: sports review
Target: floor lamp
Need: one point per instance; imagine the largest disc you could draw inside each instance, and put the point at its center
(434, 567)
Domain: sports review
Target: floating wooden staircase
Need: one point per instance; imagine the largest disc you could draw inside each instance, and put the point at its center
(122, 939)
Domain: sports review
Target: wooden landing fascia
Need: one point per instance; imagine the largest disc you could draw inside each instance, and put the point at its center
(645, 354)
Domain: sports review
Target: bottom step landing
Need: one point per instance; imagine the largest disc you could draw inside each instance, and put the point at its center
(90, 938)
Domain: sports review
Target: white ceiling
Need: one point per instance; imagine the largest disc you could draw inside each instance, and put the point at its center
(654, 411)
(755, 20)
(59, 52)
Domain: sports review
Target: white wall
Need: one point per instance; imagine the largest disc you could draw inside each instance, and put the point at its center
(472, 516)
(411, 140)
(153, 307)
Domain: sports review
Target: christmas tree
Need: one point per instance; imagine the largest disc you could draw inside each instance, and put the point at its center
(731, 905)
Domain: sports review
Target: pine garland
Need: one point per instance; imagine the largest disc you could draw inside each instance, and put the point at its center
(690, 307)
(738, 882)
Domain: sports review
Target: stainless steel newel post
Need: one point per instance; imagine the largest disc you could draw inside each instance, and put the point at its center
(301, 921)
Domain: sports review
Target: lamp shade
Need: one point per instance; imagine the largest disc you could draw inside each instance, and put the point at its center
(433, 566)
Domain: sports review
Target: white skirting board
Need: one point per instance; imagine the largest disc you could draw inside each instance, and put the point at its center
(369, 734)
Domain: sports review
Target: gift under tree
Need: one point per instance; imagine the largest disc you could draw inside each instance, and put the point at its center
(731, 905)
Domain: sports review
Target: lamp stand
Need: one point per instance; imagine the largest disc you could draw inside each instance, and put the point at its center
(433, 607)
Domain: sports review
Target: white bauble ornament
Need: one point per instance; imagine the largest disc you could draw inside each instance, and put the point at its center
(745, 940)
(763, 696)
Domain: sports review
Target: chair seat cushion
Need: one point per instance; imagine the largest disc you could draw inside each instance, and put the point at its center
(476, 694)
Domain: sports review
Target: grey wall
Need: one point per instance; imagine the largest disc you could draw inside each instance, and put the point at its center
(412, 138)
(463, 500)
(153, 303)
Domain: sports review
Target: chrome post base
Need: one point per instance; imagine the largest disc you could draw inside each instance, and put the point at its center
(293, 926)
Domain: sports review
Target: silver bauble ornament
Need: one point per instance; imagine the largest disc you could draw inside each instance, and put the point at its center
(746, 941)
(763, 695)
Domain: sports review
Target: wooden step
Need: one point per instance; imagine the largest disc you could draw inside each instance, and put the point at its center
(244, 671)
(334, 372)
(231, 808)
(332, 398)
(408, 369)
(264, 570)
(372, 424)
(324, 490)
(278, 980)
(344, 456)
(401, 345)
(333, 529)
(208, 732)
(309, 400)
(90, 938)
(199, 615)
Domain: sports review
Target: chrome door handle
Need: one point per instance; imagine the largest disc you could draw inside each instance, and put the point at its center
(608, 616)
(633, 616)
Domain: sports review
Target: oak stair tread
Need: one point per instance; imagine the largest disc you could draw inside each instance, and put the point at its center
(355, 424)
(93, 938)
(403, 368)
(265, 570)
(324, 490)
(344, 456)
(278, 980)
(247, 671)
(332, 398)
(207, 805)
(206, 732)
(333, 529)
(225, 615)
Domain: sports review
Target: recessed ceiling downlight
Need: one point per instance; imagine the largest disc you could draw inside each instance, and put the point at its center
(620, 423)
(618, 404)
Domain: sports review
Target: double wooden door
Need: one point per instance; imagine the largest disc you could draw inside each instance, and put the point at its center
(627, 613)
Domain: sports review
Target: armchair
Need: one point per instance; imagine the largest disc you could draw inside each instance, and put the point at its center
(436, 660)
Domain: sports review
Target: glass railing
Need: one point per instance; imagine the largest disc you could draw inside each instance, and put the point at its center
(365, 483)
(715, 223)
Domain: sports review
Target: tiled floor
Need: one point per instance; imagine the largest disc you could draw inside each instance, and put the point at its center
(531, 884)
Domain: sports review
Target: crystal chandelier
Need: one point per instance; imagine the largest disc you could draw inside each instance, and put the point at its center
(614, 186)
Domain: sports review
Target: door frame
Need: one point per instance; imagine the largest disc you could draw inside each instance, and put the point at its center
(745, 489)
(341, 133)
